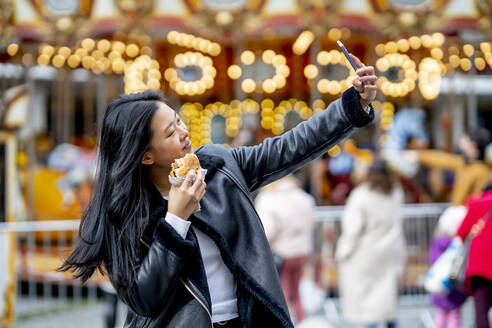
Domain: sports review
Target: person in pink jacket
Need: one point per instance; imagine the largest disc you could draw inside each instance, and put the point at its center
(479, 268)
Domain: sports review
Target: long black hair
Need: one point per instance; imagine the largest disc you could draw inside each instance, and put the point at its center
(119, 209)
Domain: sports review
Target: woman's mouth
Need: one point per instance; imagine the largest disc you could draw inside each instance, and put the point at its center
(187, 145)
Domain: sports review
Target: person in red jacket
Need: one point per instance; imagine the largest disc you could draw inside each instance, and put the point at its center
(479, 268)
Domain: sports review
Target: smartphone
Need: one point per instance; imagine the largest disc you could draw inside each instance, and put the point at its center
(345, 52)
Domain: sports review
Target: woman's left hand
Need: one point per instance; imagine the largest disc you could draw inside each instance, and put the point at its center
(366, 74)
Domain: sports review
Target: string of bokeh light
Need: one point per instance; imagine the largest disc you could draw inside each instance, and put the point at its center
(269, 85)
(406, 80)
(199, 118)
(193, 42)
(334, 87)
(190, 60)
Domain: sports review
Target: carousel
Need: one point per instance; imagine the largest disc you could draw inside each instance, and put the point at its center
(238, 71)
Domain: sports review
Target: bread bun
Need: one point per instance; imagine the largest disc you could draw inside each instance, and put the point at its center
(183, 165)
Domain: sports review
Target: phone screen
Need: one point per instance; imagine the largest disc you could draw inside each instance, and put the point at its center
(345, 52)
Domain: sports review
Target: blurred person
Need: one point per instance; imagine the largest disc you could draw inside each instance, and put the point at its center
(287, 214)
(171, 265)
(479, 267)
(448, 307)
(472, 173)
(371, 250)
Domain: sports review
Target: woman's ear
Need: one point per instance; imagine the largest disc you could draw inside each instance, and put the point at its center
(147, 159)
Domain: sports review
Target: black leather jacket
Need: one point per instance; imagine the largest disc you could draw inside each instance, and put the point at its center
(171, 287)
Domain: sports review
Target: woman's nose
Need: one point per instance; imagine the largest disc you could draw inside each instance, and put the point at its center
(184, 132)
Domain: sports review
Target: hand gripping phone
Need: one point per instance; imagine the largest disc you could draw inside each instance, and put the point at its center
(351, 61)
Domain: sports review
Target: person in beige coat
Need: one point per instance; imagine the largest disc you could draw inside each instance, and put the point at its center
(371, 250)
(287, 214)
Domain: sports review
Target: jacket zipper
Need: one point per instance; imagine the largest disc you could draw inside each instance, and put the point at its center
(147, 322)
(199, 301)
(244, 192)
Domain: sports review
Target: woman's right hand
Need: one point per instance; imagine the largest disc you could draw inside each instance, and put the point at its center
(185, 197)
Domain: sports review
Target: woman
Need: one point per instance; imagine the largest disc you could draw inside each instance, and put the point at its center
(479, 268)
(213, 268)
(471, 171)
(371, 250)
(287, 214)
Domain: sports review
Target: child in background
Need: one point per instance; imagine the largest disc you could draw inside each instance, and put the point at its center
(447, 306)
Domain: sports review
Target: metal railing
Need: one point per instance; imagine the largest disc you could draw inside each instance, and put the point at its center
(419, 222)
(41, 247)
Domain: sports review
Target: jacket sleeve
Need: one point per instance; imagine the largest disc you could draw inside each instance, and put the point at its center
(156, 277)
(279, 156)
(440, 159)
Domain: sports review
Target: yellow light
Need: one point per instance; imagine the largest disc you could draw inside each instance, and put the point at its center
(485, 47)
(58, 61)
(208, 80)
(382, 64)
(323, 85)
(97, 54)
(88, 44)
(81, 52)
(454, 60)
(480, 63)
(303, 42)
(468, 50)
(154, 74)
(426, 40)
(146, 50)
(48, 50)
(73, 61)
(277, 128)
(310, 71)
(234, 72)
(267, 56)
(438, 39)
(43, 60)
(465, 64)
(453, 50)
(103, 45)
(279, 60)
(269, 86)
(403, 45)
(248, 85)
(279, 80)
(437, 53)
(380, 50)
(283, 70)
(334, 34)
(267, 103)
(391, 47)
(415, 42)
(88, 62)
(170, 74)
(323, 58)
(247, 57)
(118, 65)
(210, 71)
(12, 49)
(132, 50)
(154, 84)
(214, 49)
(205, 61)
(119, 46)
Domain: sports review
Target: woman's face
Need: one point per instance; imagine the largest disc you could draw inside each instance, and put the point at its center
(169, 138)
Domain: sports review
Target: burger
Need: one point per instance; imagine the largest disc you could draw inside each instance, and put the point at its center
(183, 165)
